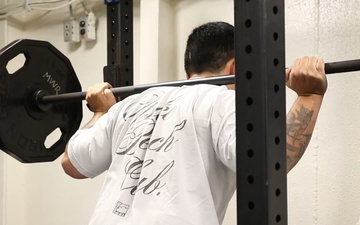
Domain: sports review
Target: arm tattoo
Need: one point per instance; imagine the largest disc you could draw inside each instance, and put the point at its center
(297, 138)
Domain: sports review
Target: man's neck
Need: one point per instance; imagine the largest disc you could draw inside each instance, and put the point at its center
(208, 74)
(202, 75)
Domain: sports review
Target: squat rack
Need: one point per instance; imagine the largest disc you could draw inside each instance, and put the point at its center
(260, 100)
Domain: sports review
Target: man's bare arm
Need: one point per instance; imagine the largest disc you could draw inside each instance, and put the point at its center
(300, 123)
(100, 99)
(307, 78)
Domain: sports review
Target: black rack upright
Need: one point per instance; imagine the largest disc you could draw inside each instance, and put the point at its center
(260, 112)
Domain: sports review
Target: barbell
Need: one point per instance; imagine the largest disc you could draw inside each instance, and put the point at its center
(44, 95)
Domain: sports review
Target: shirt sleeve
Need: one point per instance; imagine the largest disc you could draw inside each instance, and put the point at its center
(89, 149)
(223, 128)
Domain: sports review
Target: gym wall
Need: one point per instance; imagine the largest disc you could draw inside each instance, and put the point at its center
(322, 188)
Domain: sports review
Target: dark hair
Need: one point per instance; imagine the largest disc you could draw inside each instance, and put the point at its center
(209, 47)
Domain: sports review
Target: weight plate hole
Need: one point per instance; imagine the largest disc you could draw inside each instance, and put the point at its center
(52, 138)
(16, 63)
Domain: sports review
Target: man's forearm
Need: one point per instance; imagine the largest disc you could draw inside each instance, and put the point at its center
(300, 123)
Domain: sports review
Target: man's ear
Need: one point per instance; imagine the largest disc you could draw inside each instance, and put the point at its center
(229, 68)
(232, 66)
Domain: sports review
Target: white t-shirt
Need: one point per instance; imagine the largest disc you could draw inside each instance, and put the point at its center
(170, 156)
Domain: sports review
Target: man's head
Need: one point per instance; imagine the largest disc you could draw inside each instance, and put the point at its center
(210, 49)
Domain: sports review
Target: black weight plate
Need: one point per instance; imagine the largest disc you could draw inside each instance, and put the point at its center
(23, 126)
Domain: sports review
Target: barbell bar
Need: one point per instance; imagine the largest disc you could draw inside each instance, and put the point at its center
(40, 98)
(48, 98)
(342, 66)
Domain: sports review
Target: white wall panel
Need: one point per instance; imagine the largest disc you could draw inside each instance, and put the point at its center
(300, 39)
(339, 130)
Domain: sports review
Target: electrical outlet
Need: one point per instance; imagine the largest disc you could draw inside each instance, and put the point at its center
(71, 31)
(87, 27)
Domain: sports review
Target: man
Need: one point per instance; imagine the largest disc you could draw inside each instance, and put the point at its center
(210, 51)
(169, 152)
